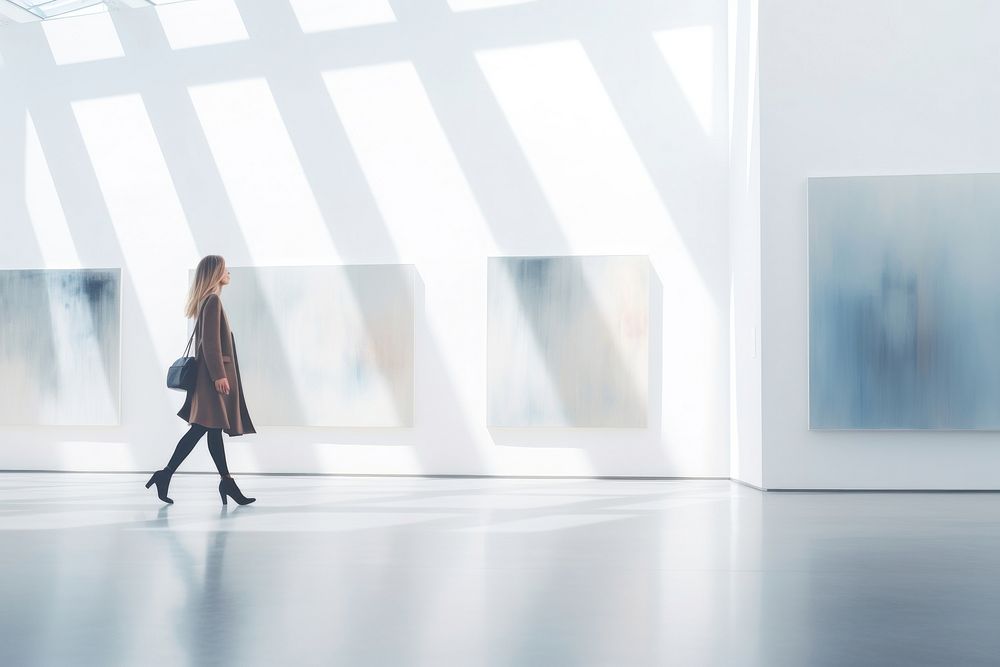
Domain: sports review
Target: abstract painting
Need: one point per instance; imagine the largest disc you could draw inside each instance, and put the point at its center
(60, 347)
(568, 341)
(904, 302)
(325, 345)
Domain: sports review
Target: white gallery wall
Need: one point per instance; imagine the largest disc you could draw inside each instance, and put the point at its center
(746, 444)
(304, 132)
(863, 88)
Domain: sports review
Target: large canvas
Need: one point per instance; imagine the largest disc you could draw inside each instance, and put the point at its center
(904, 302)
(568, 341)
(60, 347)
(325, 345)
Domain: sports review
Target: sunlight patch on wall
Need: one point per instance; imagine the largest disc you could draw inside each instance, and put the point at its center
(417, 181)
(55, 242)
(473, 5)
(384, 460)
(689, 53)
(256, 159)
(83, 39)
(541, 460)
(751, 102)
(605, 200)
(84, 455)
(574, 141)
(145, 211)
(322, 15)
(732, 47)
(201, 23)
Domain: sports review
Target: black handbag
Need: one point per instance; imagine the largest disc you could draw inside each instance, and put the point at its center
(183, 373)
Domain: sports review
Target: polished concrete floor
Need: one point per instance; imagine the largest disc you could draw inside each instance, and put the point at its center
(465, 572)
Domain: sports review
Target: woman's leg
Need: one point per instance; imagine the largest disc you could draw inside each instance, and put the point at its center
(218, 452)
(227, 485)
(185, 445)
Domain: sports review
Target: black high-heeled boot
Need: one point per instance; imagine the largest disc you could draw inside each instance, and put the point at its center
(162, 480)
(227, 487)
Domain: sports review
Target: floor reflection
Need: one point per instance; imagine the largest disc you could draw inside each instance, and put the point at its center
(877, 578)
(208, 620)
(409, 571)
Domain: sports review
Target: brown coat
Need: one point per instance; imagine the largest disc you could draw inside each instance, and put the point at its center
(215, 349)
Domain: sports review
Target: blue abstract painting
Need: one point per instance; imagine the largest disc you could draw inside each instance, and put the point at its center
(568, 341)
(60, 347)
(904, 302)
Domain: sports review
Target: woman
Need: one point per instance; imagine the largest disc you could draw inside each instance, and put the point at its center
(216, 404)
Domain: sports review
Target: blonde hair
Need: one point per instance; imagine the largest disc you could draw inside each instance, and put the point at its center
(207, 277)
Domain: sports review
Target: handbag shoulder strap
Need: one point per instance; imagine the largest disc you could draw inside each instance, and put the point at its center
(197, 323)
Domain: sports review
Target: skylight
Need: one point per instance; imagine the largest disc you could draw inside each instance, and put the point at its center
(21, 11)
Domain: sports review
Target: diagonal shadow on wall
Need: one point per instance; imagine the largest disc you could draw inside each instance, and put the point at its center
(441, 44)
(20, 234)
(199, 188)
(69, 166)
(347, 204)
(481, 137)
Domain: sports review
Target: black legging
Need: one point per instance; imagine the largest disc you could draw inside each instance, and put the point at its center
(191, 438)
